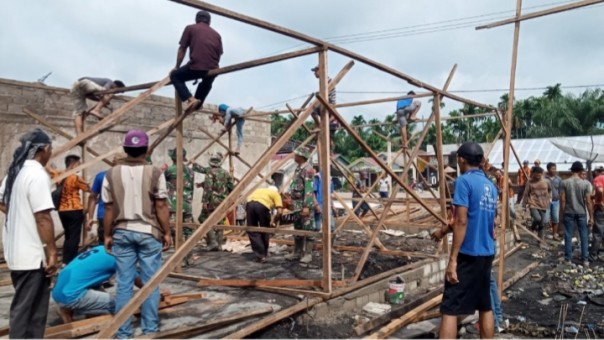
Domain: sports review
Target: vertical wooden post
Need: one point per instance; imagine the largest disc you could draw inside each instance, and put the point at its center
(505, 216)
(441, 167)
(325, 167)
(179, 180)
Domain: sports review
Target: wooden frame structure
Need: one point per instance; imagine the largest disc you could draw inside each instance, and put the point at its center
(321, 48)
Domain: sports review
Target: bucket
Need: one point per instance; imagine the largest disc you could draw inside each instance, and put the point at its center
(396, 292)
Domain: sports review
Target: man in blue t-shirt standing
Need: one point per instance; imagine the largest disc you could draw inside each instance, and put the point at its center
(93, 199)
(468, 273)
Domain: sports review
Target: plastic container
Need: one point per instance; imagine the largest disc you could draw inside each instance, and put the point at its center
(396, 291)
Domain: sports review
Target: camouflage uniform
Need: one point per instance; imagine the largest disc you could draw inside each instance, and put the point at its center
(188, 187)
(216, 187)
(303, 196)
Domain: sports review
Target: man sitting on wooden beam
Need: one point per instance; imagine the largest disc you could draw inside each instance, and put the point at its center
(406, 112)
(84, 89)
(205, 49)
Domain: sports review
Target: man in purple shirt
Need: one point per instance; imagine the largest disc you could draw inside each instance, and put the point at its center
(205, 49)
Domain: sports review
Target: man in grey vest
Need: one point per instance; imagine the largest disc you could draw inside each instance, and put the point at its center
(137, 224)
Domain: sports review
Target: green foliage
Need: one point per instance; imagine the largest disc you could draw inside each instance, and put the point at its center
(552, 114)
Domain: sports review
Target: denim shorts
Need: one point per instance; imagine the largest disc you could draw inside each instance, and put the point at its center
(553, 213)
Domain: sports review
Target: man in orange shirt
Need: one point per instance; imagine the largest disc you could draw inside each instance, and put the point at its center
(523, 175)
(71, 210)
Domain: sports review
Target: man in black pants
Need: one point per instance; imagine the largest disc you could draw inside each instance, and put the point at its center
(205, 49)
(259, 206)
(29, 244)
(71, 209)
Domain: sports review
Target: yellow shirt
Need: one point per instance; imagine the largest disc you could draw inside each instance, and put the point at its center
(267, 197)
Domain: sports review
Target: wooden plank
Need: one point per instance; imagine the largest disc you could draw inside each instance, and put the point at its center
(106, 154)
(259, 283)
(350, 213)
(270, 230)
(549, 11)
(212, 219)
(77, 328)
(318, 42)
(180, 186)
(325, 171)
(441, 168)
(378, 160)
(227, 69)
(533, 235)
(60, 132)
(191, 331)
(108, 120)
(519, 275)
(406, 319)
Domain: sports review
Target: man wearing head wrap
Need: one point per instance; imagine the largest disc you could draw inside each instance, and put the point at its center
(259, 206)
(216, 187)
(226, 115)
(303, 203)
(205, 49)
(575, 208)
(28, 234)
(468, 274)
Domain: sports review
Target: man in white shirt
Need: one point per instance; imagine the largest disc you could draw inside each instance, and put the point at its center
(384, 188)
(28, 234)
(137, 225)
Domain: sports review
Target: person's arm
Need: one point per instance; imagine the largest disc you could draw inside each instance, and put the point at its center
(108, 227)
(3, 208)
(46, 231)
(93, 199)
(180, 56)
(459, 233)
(590, 208)
(562, 203)
(162, 211)
(276, 217)
(527, 193)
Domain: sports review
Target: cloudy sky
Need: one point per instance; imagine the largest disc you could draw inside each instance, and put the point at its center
(136, 41)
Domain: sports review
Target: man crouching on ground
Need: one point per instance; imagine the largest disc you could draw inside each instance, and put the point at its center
(467, 279)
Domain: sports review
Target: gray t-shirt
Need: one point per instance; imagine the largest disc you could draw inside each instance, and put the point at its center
(104, 82)
(575, 189)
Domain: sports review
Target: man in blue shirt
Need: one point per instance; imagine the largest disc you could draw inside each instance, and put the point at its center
(468, 273)
(317, 184)
(226, 115)
(74, 290)
(406, 112)
(93, 199)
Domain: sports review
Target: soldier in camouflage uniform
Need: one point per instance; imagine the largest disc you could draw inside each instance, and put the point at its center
(303, 203)
(217, 185)
(188, 181)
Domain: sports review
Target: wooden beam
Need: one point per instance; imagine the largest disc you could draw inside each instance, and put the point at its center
(350, 213)
(259, 283)
(212, 219)
(441, 168)
(538, 14)
(519, 275)
(227, 69)
(180, 185)
(109, 120)
(406, 319)
(77, 328)
(507, 127)
(214, 323)
(205, 148)
(324, 44)
(60, 131)
(270, 230)
(378, 160)
(107, 154)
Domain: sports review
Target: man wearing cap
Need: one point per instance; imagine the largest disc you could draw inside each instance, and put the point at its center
(28, 234)
(552, 216)
(137, 226)
(188, 188)
(259, 206)
(303, 203)
(205, 49)
(217, 185)
(406, 111)
(575, 207)
(84, 88)
(226, 115)
(598, 213)
(467, 284)
(523, 175)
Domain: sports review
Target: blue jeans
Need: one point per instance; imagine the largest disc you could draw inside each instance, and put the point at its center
(131, 248)
(569, 230)
(495, 303)
(93, 302)
(238, 124)
(319, 222)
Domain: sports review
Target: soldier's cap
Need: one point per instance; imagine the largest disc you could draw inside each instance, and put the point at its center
(215, 159)
(172, 154)
(303, 152)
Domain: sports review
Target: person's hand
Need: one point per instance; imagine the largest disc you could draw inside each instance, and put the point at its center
(590, 224)
(167, 241)
(51, 264)
(108, 244)
(437, 235)
(451, 273)
(89, 224)
(163, 292)
(317, 208)
(305, 212)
